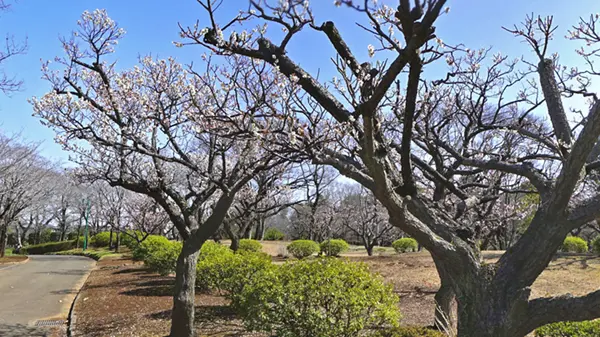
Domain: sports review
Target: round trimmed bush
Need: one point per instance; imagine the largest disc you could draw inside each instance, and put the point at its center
(219, 268)
(151, 243)
(405, 245)
(273, 234)
(128, 238)
(321, 297)
(303, 248)
(101, 239)
(163, 260)
(334, 247)
(159, 254)
(250, 245)
(596, 245)
(574, 244)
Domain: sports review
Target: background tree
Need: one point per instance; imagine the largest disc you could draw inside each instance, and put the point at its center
(24, 180)
(190, 140)
(314, 218)
(365, 218)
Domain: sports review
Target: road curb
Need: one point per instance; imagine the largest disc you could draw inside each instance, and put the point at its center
(72, 317)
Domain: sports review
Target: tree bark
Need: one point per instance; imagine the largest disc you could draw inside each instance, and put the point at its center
(182, 324)
(260, 229)
(443, 310)
(3, 238)
(369, 249)
(78, 234)
(110, 239)
(118, 241)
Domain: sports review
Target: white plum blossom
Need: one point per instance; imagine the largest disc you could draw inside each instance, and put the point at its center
(371, 50)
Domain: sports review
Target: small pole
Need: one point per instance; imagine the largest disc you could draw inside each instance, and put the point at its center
(85, 235)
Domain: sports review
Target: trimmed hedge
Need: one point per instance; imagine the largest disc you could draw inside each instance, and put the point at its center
(229, 273)
(574, 244)
(303, 248)
(163, 258)
(139, 252)
(320, 297)
(405, 245)
(48, 247)
(334, 247)
(93, 254)
(570, 329)
(410, 331)
(101, 239)
(596, 245)
(273, 234)
(158, 253)
(250, 245)
(128, 241)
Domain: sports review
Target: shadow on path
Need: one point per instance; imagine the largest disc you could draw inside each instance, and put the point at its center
(20, 330)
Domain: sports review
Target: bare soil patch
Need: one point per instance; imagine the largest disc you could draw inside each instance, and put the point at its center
(12, 259)
(121, 298)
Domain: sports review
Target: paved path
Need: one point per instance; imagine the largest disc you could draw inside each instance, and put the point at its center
(41, 288)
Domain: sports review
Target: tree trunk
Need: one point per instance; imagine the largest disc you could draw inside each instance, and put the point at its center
(110, 239)
(182, 324)
(78, 234)
(247, 233)
(235, 243)
(260, 230)
(3, 239)
(235, 239)
(443, 310)
(487, 307)
(118, 241)
(369, 249)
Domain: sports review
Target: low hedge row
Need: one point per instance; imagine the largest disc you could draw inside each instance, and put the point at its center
(93, 254)
(50, 247)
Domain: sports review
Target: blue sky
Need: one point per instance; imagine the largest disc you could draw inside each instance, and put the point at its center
(151, 27)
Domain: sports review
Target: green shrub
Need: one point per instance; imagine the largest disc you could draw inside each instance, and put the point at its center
(410, 331)
(220, 269)
(302, 248)
(213, 265)
(325, 297)
(405, 245)
(574, 244)
(596, 245)
(140, 251)
(48, 247)
(273, 234)
(101, 239)
(128, 240)
(250, 245)
(570, 329)
(334, 247)
(163, 258)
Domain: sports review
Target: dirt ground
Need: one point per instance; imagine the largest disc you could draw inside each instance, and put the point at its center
(12, 259)
(121, 298)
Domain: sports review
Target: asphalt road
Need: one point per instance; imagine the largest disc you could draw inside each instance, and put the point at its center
(42, 288)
